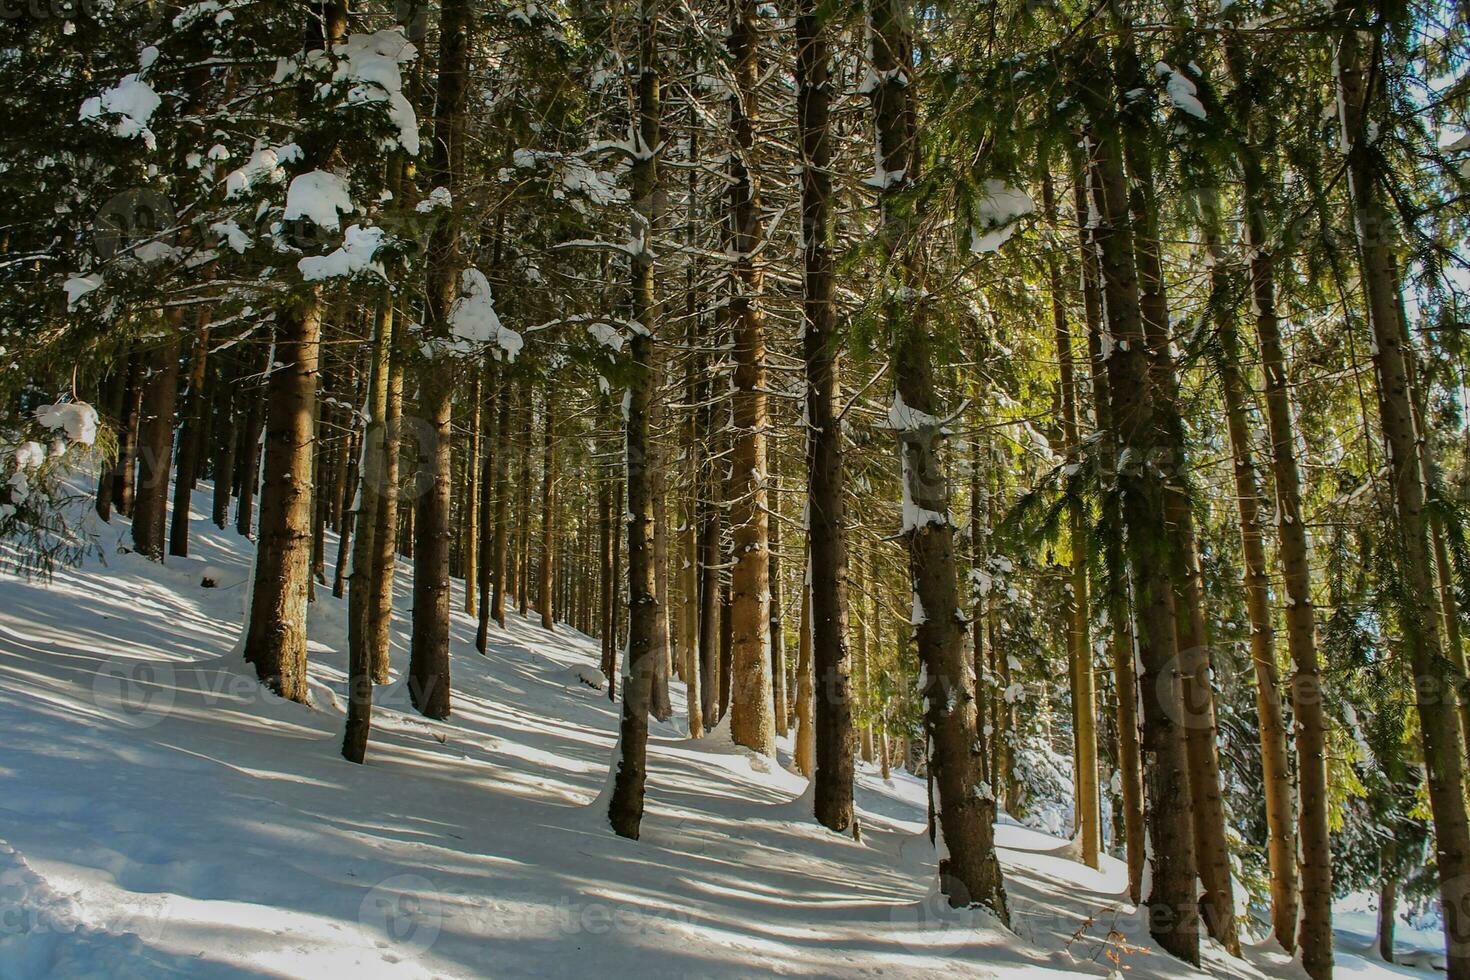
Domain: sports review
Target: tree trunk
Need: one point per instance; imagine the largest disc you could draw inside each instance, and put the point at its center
(971, 872)
(475, 487)
(155, 446)
(752, 722)
(548, 523)
(428, 667)
(826, 520)
(1275, 766)
(625, 808)
(191, 444)
(248, 459)
(1079, 638)
(275, 639)
(1360, 95)
(806, 735)
(1173, 912)
(127, 450)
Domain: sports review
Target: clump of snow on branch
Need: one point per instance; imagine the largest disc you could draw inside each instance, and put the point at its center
(1181, 91)
(132, 101)
(320, 197)
(996, 215)
(370, 63)
(473, 319)
(359, 246)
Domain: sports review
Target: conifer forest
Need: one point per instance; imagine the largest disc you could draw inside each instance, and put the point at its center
(727, 488)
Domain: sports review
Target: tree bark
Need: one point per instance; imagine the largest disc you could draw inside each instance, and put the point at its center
(971, 873)
(275, 639)
(752, 722)
(1079, 638)
(625, 808)
(548, 521)
(155, 446)
(1360, 95)
(428, 666)
(1275, 766)
(191, 444)
(826, 520)
(1172, 907)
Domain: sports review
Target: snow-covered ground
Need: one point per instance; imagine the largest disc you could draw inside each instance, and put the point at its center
(161, 816)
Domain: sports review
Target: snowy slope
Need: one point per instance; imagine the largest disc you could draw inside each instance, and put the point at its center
(161, 816)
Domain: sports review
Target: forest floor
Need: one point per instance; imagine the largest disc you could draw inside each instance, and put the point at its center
(161, 816)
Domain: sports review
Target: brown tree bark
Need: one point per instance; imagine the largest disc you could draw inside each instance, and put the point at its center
(1360, 99)
(191, 443)
(275, 638)
(548, 515)
(1281, 828)
(155, 445)
(1079, 637)
(966, 813)
(826, 521)
(752, 723)
(1172, 906)
(625, 808)
(428, 667)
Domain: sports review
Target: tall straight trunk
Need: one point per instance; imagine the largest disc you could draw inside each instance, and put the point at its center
(607, 528)
(690, 643)
(370, 502)
(752, 722)
(806, 733)
(191, 443)
(777, 627)
(502, 501)
(347, 524)
(1388, 898)
(1212, 854)
(155, 446)
(248, 458)
(825, 517)
(489, 495)
(523, 499)
(710, 681)
(385, 533)
(548, 521)
(966, 813)
(625, 808)
(660, 705)
(1173, 912)
(428, 666)
(863, 656)
(227, 440)
(275, 638)
(125, 470)
(1360, 99)
(1275, 765)
(473, 505)
(1079, 639)
(114, 393)
(127, 451)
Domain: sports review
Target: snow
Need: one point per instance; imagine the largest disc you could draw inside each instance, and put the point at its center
(166, 818)
(77, 419)
(320, 197)
(473, 319)
(359, 245)
(996, 215)
(132, 100)
(77, 287)
(1181, 90)
(370, 64)
(439, 197)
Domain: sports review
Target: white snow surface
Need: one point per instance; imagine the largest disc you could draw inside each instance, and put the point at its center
(163, 817)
